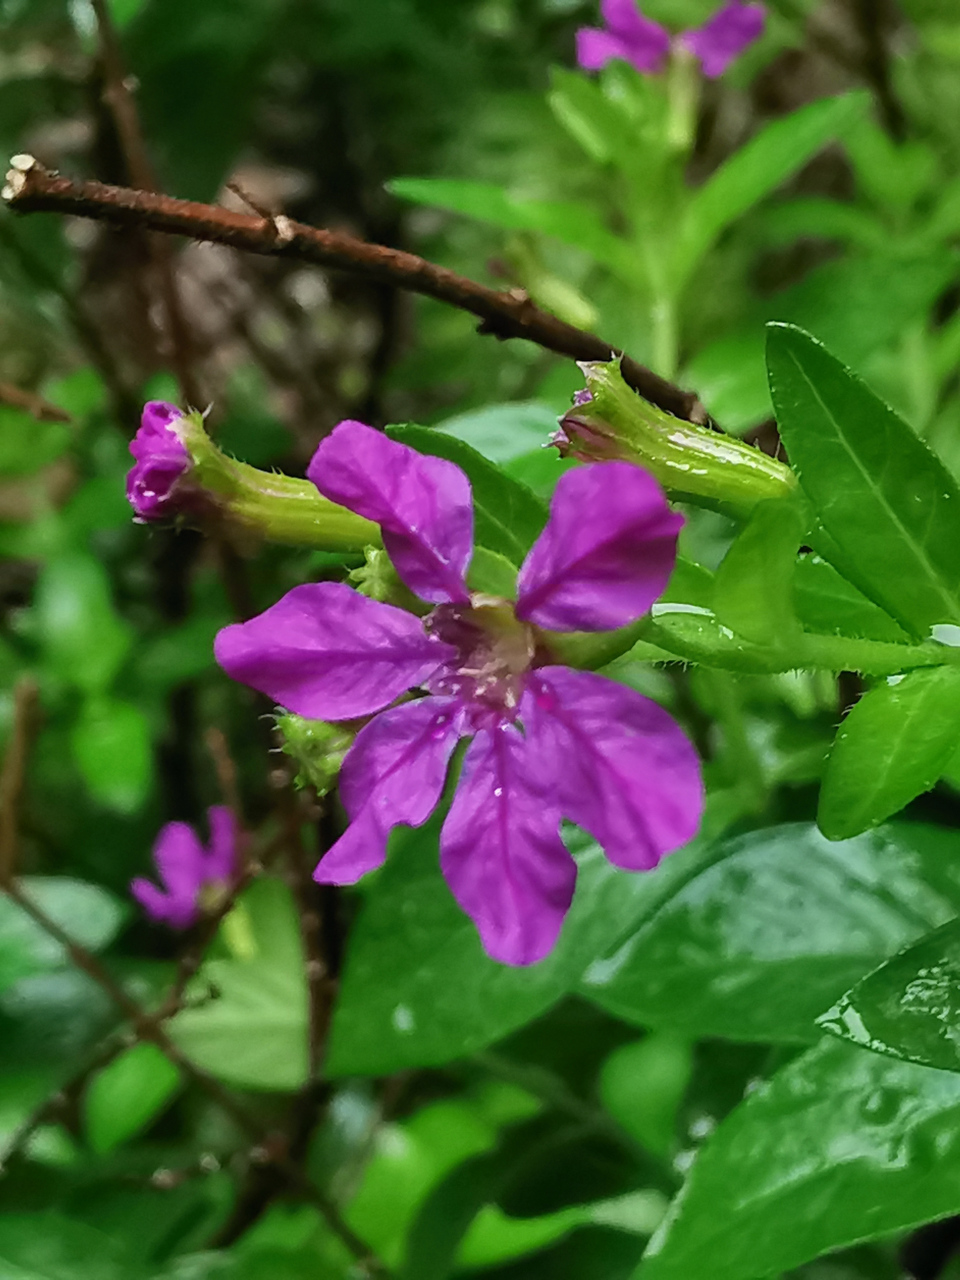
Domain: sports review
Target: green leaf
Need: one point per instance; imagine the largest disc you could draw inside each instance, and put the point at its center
(27, 445)
(48, 1246)
(92, 915)
(910, 1006)
(508, 515)
(758, 168)
(573, 224)
(753, 589)
(84, 641)
(112, 747)
(418, 989)
(504, 432)
(127, 1095)
(775, 928)
(588, 116)
(840, 1146)
(642, 1085)
(894, 744)
(827, 603)
(889, 508)
(251, 1028)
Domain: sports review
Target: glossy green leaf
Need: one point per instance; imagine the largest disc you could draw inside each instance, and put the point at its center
(892, 746)
(840, 1146)
(775, 928)
(249, 1026)
(753, 589)
(910, 1006)
(508, 516)
(418, 989)
(48, 1246)
(888, 505)
(127, 1095)
(758, 168)
(112, 746)
(573, 224)
(91, 914)
(504, 432)
(84, 640)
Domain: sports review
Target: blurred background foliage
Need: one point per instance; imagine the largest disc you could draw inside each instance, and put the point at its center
(528, 1123)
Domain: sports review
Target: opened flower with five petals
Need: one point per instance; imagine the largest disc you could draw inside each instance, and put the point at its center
(546, 742)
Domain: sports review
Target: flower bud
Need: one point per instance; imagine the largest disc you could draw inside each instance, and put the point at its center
(180, 474)
(610, 421)
(317, 747)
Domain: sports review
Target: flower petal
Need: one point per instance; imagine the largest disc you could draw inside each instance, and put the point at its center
(501, 852)
(725, 36)
(646, 43)
(422, 505)
(179, 857)
(328, 653)
(161, 459)
(622, 767)
(393, 773)
(221, 860)
(595, 48)
(178, 913)
(606, 553)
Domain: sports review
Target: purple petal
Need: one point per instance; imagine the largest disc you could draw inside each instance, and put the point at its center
(221, 861)
(327, 653)
(178, 913)
(501, 852)
(179, 858)
(422, 505)
(621, 766)
(595, 48)
(393, 773)
(646, 42)
(606, 553)
(725, 36)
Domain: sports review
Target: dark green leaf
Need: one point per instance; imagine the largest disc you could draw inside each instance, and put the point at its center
(840, 1146)
(508, 515)
(775, 928)
(47, 1246)
(418, 989)
(894, 744)
(827, 603)
(888, 505)
(910, 1006)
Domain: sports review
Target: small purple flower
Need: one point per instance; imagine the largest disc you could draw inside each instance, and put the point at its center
(188, 870)
(161, 461)
(630, 36)
(546, 742)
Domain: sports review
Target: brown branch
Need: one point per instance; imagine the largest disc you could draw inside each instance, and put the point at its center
(39, 408)
(509, 314)
(119, 98)
(12, 774)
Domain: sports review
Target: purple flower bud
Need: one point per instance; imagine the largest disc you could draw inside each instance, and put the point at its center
(189, 872)
(161, 461)
(725, 36)
(588, 438)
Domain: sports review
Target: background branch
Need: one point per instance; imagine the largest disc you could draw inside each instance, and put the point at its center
(505, 314)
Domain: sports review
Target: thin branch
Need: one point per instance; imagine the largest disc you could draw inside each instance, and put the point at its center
(509, 314)
(119, 98)
(39, 408)
(13, 772)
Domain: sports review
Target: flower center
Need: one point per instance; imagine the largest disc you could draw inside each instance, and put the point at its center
(494, 654)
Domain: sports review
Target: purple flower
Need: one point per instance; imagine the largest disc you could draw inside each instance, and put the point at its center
(546, 742)
(630, 36)
(187, 869)
(161, 461)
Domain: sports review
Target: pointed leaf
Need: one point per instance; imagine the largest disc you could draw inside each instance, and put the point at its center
(838, 1147)
(894, 744)
(889, 507)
